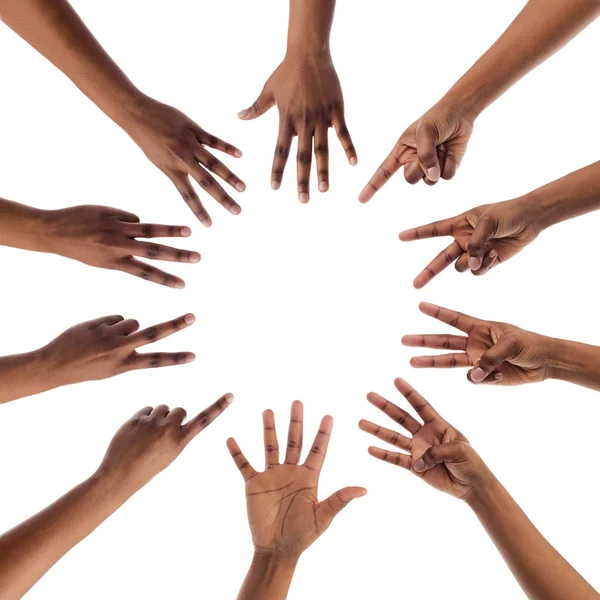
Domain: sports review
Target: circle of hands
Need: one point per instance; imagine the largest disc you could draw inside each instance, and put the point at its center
(284, 512)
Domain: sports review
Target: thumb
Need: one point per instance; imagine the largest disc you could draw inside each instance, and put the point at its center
(484, 231)
(450, 452)
(263, 103)
(426, 138)
(329, 508)
(506, 348)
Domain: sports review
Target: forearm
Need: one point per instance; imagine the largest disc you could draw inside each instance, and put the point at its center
(55, 30)
(24, 375)
(23, 226)
(572, 196)
(540, 30)
(540, 570)
(573, 362)
(29, 550)
(269, 578)
(310, 26)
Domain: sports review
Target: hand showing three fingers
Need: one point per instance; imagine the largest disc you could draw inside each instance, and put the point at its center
(437, 452)
(431, 148)
(105, 237)
(107, 347)
(484, 237)
(177, 146)
(151, 440)
(309, 98)
(495, 353)
(284, 512)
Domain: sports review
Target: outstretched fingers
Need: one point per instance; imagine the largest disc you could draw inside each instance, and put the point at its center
(201, 421)
(451, 317)
(395, 458)
(388, 167)
(240, 460)
(318, 451)
(443, 260)
(423, 408)
(387, 435)
(403, 418)
(158, 332)
(270, 440)
(295, 434)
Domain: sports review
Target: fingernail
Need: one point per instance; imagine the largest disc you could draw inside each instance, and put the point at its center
(474, 263)
(323, 187)
(275, 185)
(240, 187)
(194, 257)
(242, 113)
(186, 231)
(419, 465)
(303, 197)
(493, 254)
(229, 398)
(206, 222)
(189, 319)
(235, 210)
(237, 153)
(190, 358)
(478, 375)
(433, 173)
(354, 161)
(442, 148)
(179, 285)
(498, 376)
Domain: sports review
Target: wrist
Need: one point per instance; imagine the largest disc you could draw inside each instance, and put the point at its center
(566, 358)
(302, 52)
(275, 559)
(464, 101)
(482, 495)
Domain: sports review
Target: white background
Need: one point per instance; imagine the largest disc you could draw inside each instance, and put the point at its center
(298, 301)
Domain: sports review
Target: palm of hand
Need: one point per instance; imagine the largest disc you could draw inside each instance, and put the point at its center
(282, 509)
(526, 367)
(443, 477)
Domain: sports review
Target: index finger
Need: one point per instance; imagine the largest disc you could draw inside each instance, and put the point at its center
(150, 230)
(451, 317)
(431, 230)
(316, 457)
(423, 408)
(403, 418)
(388, 167)
(201, 421)
(158, 332)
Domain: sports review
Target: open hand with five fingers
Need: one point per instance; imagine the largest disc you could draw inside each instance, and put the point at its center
(105, 237)
(178, 147)
(284, 511)
(484, 237)
(495, 353)
(435, 451)
(309, 98)
(431, 148)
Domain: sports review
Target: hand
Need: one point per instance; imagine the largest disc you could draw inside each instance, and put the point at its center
(430, 148)
(176, 145)
(436, 452)
(107, 347)
(501, 354)
(105, 237)
(151, 440)
(484, 237)
(283, 508)
(309, 97)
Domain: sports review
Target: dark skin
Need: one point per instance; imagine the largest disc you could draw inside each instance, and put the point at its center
(284, 512)
(98, 236)
(90, 351)
(439, 454)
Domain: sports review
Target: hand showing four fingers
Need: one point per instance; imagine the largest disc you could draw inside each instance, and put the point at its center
(107, 346)
(495, 353)
(284, 512)
(309, 98)
(105, 237)
(177, 146)
(484, 237)
(151, 440)
(437, 452)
